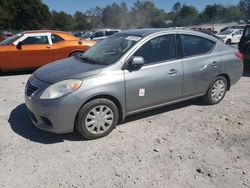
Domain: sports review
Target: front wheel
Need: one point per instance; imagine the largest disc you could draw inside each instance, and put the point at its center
(216, 91)
(97, 118)
(74, 54)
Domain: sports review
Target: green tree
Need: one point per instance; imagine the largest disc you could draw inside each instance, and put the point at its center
(116, 16)
(245, 7)
(95, 17)
(23, 14)
(145, 14)
(62, 21)
(232, 13)
(188, 15)
(81, 21)
(213, 13)
(176, 7)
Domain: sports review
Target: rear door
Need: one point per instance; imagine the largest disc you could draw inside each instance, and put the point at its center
(200, 64)
(34, 52)
(159, 80)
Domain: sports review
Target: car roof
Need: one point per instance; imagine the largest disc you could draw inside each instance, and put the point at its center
(149, 31)
(44, 31)
(63, 34)
(143, 32)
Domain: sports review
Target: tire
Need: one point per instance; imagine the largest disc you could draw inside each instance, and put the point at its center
(75, 54)
(91, 124)
(229, 42)
(211, 95)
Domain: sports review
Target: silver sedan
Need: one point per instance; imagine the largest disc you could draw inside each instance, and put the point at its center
(130, 72)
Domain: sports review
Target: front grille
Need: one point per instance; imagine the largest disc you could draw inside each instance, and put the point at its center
(30, 89)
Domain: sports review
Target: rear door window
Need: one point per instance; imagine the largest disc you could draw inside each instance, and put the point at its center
(55, 38)
(195, 45)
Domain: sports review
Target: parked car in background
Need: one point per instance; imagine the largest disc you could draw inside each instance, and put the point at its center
(5, 35)
(211, 34)
(231, 36)
(242, 26)
(99, 34)
(1, 38)
(78, 33)
(127, 73)
(244, 46)
(32, 49)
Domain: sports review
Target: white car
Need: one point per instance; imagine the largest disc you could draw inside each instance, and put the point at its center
(231, 36)
(99, 34)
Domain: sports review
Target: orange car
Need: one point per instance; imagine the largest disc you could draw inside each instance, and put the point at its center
(32, 49)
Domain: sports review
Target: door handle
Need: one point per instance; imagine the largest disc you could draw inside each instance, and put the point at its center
(172, 71)
(48, 47)
(214, 64)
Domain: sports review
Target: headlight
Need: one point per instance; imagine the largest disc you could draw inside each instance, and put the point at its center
(60, 89)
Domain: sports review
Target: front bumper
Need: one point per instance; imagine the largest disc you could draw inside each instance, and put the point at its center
(57, 115)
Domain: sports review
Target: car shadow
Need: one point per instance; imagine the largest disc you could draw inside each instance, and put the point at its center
(164, 109)
(21, 124)
(15, 73)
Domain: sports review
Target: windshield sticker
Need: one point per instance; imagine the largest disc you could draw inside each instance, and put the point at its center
(133, 38)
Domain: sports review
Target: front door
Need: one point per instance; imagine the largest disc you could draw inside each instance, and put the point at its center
(34, 52)
(159, 80)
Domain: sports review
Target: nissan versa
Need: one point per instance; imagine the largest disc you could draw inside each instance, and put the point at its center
(130, 72)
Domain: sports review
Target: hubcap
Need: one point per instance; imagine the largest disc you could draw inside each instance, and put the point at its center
(218, 90)
(99, 119)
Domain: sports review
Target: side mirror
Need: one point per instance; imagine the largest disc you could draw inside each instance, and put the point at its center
(19, 45)
(136, 62)
(91, 37)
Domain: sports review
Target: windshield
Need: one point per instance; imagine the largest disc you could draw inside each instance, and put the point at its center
(111, 49)
(227, 32)
(11, 39)
(88, 34)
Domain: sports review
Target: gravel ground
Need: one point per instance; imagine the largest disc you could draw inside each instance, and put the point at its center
(183, 145)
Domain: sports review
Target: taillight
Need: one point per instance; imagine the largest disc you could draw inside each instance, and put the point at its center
(239, 55)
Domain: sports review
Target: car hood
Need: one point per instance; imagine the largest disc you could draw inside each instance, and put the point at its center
(70, 68)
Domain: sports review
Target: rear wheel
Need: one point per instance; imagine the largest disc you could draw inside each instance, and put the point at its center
(97, 118)
(216, 91)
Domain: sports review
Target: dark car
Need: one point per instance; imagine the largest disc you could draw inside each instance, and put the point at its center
(244, 45)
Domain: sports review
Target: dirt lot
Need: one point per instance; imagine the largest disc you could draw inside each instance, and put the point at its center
(183, 145)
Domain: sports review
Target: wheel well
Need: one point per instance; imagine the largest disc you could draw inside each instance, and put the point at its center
(75, 52)
(228, 80)
(109, 97)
